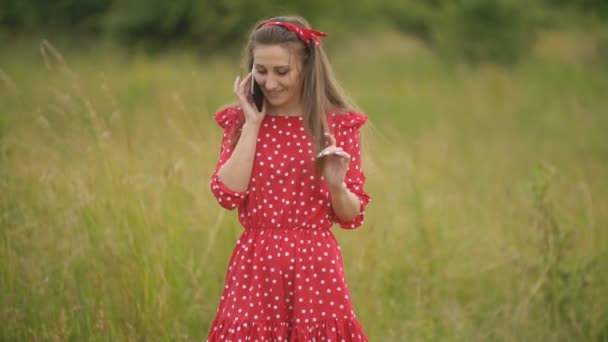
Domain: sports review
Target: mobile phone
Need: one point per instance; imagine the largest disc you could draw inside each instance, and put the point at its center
(256, 93)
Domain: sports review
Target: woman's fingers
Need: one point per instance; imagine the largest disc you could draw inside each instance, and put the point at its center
(330, 140)
(333, 150)
(235, 86)
(241, 89)
(342, 154)
(240, 86)
(245, 85)
(325, 151)
(240, 92)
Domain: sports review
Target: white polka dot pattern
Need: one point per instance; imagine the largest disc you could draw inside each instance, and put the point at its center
(286, 280)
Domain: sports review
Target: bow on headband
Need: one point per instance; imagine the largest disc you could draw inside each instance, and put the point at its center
(305, 34)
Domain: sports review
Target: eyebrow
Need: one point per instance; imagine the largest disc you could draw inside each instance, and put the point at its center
(276, 67)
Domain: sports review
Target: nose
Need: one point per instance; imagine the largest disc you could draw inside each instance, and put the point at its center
(270, 83)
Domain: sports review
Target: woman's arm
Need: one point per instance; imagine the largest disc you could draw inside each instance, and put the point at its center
(342, 172)
(345, 204)
(236, 172)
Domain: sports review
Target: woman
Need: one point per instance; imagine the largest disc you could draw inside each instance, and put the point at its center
(293, 169)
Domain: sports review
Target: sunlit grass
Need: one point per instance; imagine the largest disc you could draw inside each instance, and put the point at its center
(489, 186)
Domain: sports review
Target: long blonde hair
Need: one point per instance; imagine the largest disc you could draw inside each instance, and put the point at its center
(320, 92)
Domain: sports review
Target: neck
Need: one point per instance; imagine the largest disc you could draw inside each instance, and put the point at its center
(288, 109)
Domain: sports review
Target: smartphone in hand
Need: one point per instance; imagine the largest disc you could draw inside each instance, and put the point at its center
(256, 93)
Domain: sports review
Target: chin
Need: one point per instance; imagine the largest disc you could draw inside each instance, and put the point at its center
(276, 102)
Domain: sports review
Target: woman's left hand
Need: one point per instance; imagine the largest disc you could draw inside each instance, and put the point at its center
(335, 163)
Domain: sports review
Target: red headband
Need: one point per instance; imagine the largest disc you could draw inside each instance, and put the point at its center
(305, 34)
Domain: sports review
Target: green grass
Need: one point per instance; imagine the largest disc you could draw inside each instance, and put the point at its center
(489, 186)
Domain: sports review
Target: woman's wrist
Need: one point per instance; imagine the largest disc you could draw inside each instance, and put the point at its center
(253, 126)
(338, 189)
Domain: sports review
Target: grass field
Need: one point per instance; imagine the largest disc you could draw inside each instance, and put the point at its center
(489, 188)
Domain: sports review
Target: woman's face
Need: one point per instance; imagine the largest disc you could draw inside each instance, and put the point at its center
(278, 72)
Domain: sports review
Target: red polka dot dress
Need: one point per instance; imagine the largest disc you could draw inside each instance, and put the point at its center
(286, 279)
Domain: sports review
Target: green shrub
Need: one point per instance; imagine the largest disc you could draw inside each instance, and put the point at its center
(83, 16)
(485, 31)
(411, 16)
(601, 51)
(150, 23)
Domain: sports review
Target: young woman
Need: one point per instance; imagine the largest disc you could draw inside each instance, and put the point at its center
(292, 169)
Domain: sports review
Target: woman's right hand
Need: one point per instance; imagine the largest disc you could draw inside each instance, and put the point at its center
(242, 90)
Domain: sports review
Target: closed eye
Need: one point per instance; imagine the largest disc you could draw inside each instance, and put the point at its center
(280, 73)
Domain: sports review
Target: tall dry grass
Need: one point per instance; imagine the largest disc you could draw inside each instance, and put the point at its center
(489, 186)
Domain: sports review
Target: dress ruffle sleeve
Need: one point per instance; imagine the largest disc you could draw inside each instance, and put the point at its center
(227, 118)
(346, 129)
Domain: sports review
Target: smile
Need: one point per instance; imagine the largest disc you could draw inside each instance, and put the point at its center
(274, 93)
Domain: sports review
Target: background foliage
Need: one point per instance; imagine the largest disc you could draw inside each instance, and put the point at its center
(486, 158)
(470, 30)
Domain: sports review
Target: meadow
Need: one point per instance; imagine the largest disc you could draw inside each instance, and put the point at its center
(489, 193)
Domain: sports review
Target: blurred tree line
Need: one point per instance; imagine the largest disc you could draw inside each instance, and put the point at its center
(476, 30)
